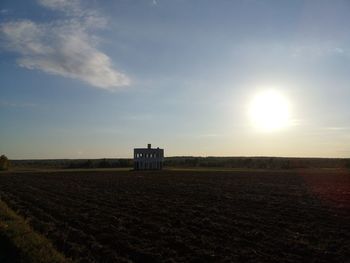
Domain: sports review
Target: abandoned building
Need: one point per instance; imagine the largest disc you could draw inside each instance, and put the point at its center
(148, 158)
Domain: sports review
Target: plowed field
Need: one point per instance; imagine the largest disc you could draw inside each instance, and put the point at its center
(188, 216)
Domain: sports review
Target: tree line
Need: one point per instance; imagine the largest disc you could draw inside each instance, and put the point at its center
(256, 162)
(183, 161)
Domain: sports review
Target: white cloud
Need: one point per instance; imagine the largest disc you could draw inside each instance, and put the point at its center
(63, 5)
(4, 11)
(317, 50)
(64, 47)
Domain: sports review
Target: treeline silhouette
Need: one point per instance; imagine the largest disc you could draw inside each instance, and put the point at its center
(190, 162)
(73, 163)
(256, 162)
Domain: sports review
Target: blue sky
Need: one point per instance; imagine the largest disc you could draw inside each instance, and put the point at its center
(94, 79)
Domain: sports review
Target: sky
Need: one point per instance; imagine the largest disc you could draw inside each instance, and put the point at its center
(95, 79)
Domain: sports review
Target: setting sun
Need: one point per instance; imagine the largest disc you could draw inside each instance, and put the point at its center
(269, 111)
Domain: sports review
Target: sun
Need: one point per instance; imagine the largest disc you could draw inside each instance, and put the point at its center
(269, 111)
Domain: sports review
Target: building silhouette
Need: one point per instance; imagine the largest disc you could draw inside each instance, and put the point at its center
(148, 158)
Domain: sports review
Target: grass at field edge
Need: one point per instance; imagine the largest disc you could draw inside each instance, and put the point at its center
(19, 242)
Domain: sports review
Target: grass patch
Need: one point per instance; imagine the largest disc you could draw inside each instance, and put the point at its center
(19, 242)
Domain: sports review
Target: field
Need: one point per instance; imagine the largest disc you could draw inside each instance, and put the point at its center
(188, 216)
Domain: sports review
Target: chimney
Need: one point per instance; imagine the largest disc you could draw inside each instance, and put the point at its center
(149, 146)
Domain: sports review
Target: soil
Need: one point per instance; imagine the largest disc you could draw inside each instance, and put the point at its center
(188, 216)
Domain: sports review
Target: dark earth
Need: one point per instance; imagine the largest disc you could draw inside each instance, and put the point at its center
(188, 216)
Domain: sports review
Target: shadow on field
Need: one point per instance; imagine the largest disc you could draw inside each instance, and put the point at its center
(8, 252)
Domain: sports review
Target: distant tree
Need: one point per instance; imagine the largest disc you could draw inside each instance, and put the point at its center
(347, 164)
(104, 164)
(88, 164)
(285, 164)
(124, 163)
(4, 162)
(247, 163)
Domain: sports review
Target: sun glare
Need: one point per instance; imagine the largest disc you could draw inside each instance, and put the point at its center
(269, 111)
